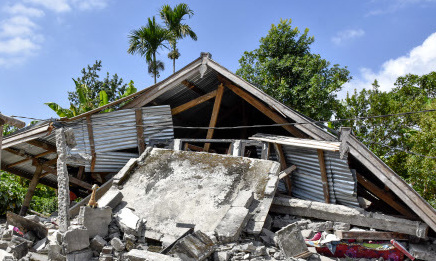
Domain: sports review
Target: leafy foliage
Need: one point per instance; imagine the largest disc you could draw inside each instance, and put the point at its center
(391, 137)
(173, 19)
(86, 102)
(284, 67)
(112, 86)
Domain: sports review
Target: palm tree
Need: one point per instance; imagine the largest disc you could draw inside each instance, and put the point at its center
(146, 41)
(173, 20)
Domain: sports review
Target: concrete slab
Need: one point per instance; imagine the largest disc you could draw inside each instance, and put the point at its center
(290, 241)
(75, 239)
(111, 198)
(144, 255)
(231, 226)
(96, 220)
(169, 187)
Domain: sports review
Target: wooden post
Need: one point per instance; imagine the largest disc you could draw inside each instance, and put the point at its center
(214, 117)
(325, 182)
(31, 190)
(91, 141)
(282, 159)
(139, 130)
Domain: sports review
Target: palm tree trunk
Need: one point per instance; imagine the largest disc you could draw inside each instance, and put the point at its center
(154, 67)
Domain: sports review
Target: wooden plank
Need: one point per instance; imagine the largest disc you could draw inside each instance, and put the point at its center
(282, 159)
(25, 160)
(214, 117)
(81, 172)
(42, 145)
(139, 130)
(285, 173)
(297, 142)
(192, 86)
(370, 235)
(384, 195)
(30, 191)
(192, 147)
(265, 110)
(91, 141)
(194, 102)
(324, 179)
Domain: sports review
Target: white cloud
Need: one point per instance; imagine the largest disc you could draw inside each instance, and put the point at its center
(17, 45)
(17, 26)
(90, 4)
(20, 9)
(58, 6)
(421, 60)
(392, 6)
(347, 35)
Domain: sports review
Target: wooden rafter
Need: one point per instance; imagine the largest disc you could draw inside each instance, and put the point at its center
(192, 86)
(139, 130)
(72, 179)
(384, 195)
(42, 145)
(282, 159)
(262, 108)
(214, 117)
(27, 159)
(193, 102)
(324, 179)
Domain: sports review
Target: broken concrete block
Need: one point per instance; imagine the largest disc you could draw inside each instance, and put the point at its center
(124, 173)
(96, 220)
(83, 255)
(18, 240)
(130, 241)
(97, 243)
(107, 250)
(320, 226)
(40, 245)
(244, 199)
(75, 239)
(34, 218)
(37, 257)
(422, 252)
(290, 241)
(4, 244)
(129, 222)
(341, 226)
(144, 255)
(221, 256)
(196, 246)
(230, 227)
(268, 237)
(5, 255)
(110, 199)
(18, 251)
(271, 186)
(118, 244)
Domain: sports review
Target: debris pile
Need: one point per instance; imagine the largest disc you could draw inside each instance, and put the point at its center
(178, 205)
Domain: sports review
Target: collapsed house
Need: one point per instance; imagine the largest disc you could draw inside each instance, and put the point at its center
(204, 165)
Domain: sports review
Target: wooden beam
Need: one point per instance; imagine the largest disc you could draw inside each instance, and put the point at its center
(192, 147)
(214, 117)
(263, 108)
(73, 180)
(139, 130)
(324, 179)
(25, 160)
(282, 159)
(80, 172)
(42, 145)
(384, 195)
(370, 235)
(285, 173)
(91, 141)
(192, 86)
(193, 103)
(31, 191)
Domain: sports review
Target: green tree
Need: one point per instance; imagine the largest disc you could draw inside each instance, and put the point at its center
(405, 143)
(146, 41)
(173, 18)
(284, 67)
(86, 102)
(113, 86)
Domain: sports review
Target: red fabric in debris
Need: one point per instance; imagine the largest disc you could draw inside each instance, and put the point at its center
(357, 251)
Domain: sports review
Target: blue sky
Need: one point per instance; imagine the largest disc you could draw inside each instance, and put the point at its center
(45, 43)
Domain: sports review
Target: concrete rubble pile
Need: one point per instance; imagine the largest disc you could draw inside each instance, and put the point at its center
(177, 205)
